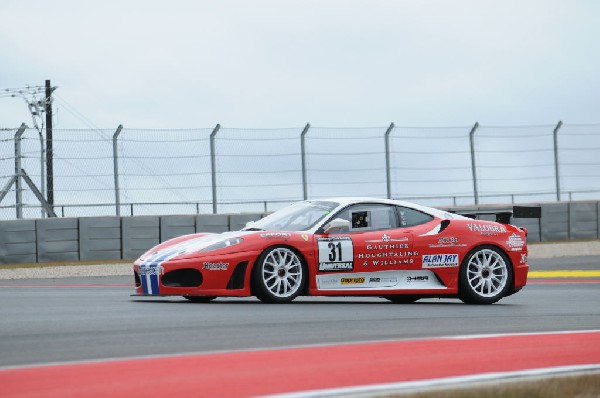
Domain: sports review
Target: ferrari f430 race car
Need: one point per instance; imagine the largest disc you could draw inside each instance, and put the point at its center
(343, 247)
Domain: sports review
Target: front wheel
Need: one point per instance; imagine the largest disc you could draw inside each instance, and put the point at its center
(279, 275)
(485, 276)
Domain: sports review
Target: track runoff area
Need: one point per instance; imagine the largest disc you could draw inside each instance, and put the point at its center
(326, 370)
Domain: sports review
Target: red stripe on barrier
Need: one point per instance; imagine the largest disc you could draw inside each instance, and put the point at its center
(251, 373)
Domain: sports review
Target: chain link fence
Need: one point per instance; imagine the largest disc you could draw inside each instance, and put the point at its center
(142, 172)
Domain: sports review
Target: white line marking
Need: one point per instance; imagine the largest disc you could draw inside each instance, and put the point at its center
(432, 384)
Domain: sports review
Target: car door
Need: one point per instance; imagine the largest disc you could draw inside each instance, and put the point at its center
(374, 241)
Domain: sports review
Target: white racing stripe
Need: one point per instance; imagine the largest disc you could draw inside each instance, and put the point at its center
(148, 283)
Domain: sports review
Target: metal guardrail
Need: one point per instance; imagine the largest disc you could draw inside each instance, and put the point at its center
(465, 165)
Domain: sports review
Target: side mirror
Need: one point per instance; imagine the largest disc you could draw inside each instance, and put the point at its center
(337, 226)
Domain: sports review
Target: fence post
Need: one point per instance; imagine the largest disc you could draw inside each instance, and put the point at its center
(387, 160)
(116, 170)
(303, 153)
(42, 170)
(556, 168)
(213, 165)
(18, 186)
(473, 165)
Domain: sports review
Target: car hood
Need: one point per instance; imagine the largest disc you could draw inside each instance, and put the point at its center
(192, 245)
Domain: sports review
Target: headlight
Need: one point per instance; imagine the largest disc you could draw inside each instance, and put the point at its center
(223, 244)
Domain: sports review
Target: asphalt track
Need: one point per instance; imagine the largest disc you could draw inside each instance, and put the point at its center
(44, 322)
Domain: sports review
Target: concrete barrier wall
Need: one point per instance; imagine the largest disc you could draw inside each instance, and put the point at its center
(555, 222)
(57, 239)
(173, 226)
(583, 220)
(139, 234)
(115, 238)
(213, 223)
(18, 243)
(99, 238)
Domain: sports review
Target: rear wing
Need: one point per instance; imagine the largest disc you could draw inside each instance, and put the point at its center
(504, 215)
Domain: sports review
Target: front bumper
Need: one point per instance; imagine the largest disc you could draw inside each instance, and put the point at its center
(200, 276)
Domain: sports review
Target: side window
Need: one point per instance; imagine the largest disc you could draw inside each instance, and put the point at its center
(411, 217)
(369, 217)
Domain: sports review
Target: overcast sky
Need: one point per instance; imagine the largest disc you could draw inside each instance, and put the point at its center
(267, 63)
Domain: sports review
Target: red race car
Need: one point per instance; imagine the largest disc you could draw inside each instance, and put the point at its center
(344, 247)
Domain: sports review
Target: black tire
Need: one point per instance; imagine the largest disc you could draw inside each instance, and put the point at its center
(402, 299)
(200, 299)
(279, 275)
(485, 276)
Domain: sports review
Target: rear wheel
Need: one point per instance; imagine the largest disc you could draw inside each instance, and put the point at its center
(401, 299)
(279, 275)
(485, 276)
(200, 299)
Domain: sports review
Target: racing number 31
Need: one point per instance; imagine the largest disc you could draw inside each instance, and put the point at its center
(333, 254)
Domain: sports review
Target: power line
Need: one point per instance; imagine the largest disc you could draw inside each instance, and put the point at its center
(81, 117)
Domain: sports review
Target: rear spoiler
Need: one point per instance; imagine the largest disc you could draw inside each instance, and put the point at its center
(503, 216)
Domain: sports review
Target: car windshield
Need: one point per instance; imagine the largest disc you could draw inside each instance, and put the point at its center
(300, 216)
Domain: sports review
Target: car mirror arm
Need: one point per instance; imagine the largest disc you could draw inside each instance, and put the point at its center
(338, 225)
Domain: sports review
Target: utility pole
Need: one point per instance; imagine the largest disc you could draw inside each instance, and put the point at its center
(49, 153)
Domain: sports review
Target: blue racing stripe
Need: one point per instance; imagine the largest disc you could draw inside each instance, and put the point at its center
(154, 284)
(144, 284)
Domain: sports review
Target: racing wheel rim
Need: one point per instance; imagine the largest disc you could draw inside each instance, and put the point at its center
(282, 272)
(487, 273)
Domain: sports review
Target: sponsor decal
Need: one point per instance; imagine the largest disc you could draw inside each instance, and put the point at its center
(216, 266)
(388, 246)
(515, 242)
(419, 278)
(305, 237)
(328, 282)
(384, 263)
(380, 280)
(486, 229)
(388, 251)
(347, 266)
(352, 281)
(388, 254)
(440, 260)
(523, 258)
(383, 280)
(336, 253)
(447, 241)
(148, 269)
(276, 235)
(386, 238)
